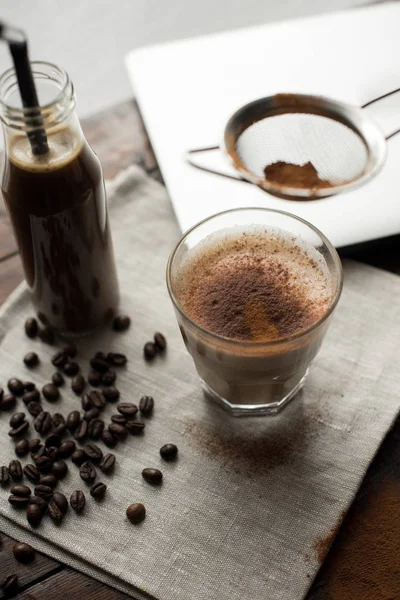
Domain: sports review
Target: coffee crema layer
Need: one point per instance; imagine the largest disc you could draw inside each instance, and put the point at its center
(256, 284)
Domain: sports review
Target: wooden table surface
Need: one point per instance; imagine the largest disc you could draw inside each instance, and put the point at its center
(119, 138)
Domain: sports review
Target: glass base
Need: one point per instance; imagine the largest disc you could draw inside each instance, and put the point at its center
(253, 410)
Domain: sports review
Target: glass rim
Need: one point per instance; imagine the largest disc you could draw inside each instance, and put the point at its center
(249, 343)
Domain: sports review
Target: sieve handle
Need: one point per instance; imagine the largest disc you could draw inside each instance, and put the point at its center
(193, 163)
(387, 137)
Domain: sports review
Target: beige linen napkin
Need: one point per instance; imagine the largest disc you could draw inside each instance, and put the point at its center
(242, 512)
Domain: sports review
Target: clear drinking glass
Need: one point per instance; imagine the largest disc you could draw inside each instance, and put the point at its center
(247, 377)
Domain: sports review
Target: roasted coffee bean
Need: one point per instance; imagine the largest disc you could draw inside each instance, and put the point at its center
(4, 475)
(32, 396)
(160, 341)
(99, 365)
(15, 470)
(15, 386)
(116, 359)
(34, 444)
(135, 427)
(17, 419)
(61, 501)
(118, 431)
(149, 350)
(59, 469)
(95, 428)
(66, 449)
(22, 448)
(32, 473)
(153, 476)
(95, 378)
(43, 423)
(87, 472)
(107, 462)
(81, 431)
(73, 420)
(78, 457)
(78, 384)
(18, 501)
(31, 359)
(34, 408)
(108, 439)
(52, 440)
(18, 431)
(71, 368)
(7, 402)
(136, 513)
(111, 394)
(100, 356)
(20, 490)
(91, 414)
(59, 360)
(44, 491)
(70, 349)
(23, 553)
(10, 585)
(128, 409)
(146, 405)
(46, 335)
(31, 328)
(120, 419)
(58, 379)
(50, 392)
(49, 480)
(54, 512)
(52, 452)
(109, 377)
(44, 464)
(93, 452)
(93, 399)
(39, 501)
(98, 490)
(59, 424)
(121, 323)
(41, 450)
(77, 501)
(34, 514)
(29, 386)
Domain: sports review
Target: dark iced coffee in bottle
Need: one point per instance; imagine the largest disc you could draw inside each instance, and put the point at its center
(57, 206)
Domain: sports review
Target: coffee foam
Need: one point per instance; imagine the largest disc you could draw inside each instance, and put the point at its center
(254, 283)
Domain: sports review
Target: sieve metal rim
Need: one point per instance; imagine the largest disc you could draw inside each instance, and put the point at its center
(291, 103)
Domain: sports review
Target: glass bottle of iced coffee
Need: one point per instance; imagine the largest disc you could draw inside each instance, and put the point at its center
(57, 205)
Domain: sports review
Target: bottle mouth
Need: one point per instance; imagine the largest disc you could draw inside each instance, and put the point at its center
(55, 92)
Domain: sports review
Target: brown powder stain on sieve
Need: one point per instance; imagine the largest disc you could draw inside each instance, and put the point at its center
(297, 176)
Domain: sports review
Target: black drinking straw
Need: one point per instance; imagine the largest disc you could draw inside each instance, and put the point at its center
(18, 47)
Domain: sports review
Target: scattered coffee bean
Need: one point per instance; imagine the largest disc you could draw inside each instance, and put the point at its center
(32, 396)
(34, 408)
(24, 553)
(135, 427)
(41, 502)
(50, 392)
(44, 463)
(78, 457)
(10, 585)
(87, 472)
(153, 476)
(93, 452)
(61, 501)
(46, 335)
(8, 402)
(66, 449)
(118, 431)
(108, 439)
(98, 490)
(31, 328)
(100, 355)
(59, 469)
(32, 473)
(160, 341)
(29, 386)
(59, 424)
(52, 453)
(109, 377)
(15, 470)
(49, 480)
(95, 378)
(116, 359)
(43, 423)
(128, 409)
(34, 444)
(81, 431)
(34, 513)
(18, 501)
(121, 323)
(15, 386)
(120, 419)
(99, 365)
(59, 360)
(71, 368)
(136, 513)
(52, 440)
(40, 451)
(17, 419)
(111, 394)
(146, 405)
(20, 430)
(58, 379)
(78, 384)
(149, 350)
(77, 501)
(4, 475)
(91, 414)
(70, 349)
(22, 448)
(20, 490)
(73, 420)
(44, 491)
(54, 512)
(95, 428)
(107, 462)
(31, 359)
